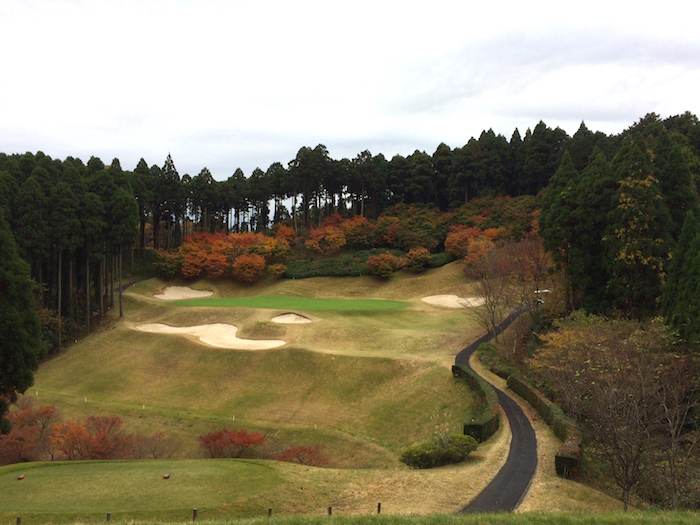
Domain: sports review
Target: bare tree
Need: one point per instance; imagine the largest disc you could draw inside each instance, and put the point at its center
(634, 398)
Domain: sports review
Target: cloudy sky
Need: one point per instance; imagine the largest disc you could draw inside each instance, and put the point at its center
(227, 84)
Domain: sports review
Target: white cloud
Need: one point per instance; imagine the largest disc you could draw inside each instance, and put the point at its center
(224, 84)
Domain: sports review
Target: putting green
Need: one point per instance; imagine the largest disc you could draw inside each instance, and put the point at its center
(285, 302)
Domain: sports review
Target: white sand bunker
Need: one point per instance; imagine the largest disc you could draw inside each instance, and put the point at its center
(291, 319)
(452, 301)
(218, 334)
(177, 293)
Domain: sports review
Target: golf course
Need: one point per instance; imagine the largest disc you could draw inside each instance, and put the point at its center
(359, 367)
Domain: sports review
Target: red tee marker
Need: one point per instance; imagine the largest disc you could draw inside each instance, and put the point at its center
(20, 477)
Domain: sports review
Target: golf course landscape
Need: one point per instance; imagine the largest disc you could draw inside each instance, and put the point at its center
(367, 375)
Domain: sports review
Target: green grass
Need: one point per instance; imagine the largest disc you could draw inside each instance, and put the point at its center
(281, 302)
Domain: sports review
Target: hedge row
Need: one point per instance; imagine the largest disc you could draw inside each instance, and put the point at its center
(488, 355)
(485, 424)
(569, 455)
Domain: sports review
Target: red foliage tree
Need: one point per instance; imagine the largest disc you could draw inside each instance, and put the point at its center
(226, 443)
(304, 456)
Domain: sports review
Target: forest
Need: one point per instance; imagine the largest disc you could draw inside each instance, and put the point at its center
(616, 215)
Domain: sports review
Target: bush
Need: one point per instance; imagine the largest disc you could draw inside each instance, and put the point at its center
(276, 270)
(488, 355)
(350, 265)
(442, 450)
(249, 268)
(440, 259)
(384, 265)
(417, 259)
(226, 443)
(304, 456)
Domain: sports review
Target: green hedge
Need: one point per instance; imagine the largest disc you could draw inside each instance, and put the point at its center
(568, 456)
(442, 450)
(349, 265)
(486, 423)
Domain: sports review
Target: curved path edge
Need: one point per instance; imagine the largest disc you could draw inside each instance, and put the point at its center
(508, 488)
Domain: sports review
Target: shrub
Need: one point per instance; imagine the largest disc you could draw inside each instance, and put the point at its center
(350, 265)
(226, 443)
(442, 450)
(417, 259)
(248, 268)
(304, 456)
(276, 270)
(384, 265)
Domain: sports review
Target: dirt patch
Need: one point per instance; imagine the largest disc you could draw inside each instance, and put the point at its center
(291, 318)
(177, 293)
(452, 301)
(218, 334)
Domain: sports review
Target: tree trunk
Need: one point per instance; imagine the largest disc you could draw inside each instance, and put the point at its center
(102, 289)
(111, 283)
(121, 310)
(60, 320)
(71, 303)
(87, 289)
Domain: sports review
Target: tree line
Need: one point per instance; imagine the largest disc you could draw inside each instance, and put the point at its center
(615, 223)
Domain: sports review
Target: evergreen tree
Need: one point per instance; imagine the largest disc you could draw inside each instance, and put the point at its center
(639, 234)
(20, 332)
(595, 195)
(679, 304)
(558, 226)
(675, 180)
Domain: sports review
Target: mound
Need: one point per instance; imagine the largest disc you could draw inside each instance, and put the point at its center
(218, 334)
(452, 301)
(291, 319)
(176, 293)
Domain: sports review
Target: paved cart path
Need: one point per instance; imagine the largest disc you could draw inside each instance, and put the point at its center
(508, 488)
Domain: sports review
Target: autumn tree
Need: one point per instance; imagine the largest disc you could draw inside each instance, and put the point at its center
(489, 278)
(634, 395)
(226, 443)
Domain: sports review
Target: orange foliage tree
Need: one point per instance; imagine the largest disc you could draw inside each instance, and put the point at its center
(248, 268)
(384, 264)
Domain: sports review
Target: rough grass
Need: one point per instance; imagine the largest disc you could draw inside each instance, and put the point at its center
(363, 384)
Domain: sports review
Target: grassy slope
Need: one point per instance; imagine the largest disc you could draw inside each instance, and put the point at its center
(362, 384)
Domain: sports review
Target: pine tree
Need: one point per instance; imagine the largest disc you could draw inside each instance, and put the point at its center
(639, 234)
(680, 300)
(20, 331)
(557, 222)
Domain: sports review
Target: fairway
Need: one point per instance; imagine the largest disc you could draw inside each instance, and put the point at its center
(284, 302)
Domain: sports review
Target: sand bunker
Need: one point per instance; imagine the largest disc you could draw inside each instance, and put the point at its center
(291, 319)
(177, 293)
(218, 334)
(452, 301)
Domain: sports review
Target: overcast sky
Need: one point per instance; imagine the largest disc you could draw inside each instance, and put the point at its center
(227, 84)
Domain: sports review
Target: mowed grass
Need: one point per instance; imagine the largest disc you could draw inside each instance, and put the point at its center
(281, 302)
(364, 384)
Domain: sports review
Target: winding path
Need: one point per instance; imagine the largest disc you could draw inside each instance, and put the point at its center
(508, 488)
